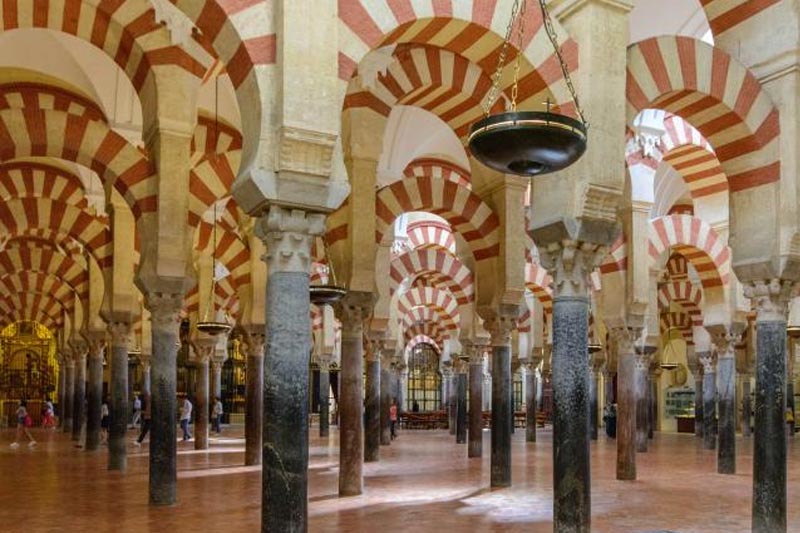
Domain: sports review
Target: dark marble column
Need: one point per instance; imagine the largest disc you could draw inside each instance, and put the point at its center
(352, 312)
(746, 406)
(79, 394)
(165, 311)
(530, 402)
(94, 394)
(62, 386)
(500, 327)
(216, 376)
(119, 408)
(769, 446)
(699, 419)
(69, 395)
(461, 402)
(726, 457)
(642, 403)
(324, 400)
(571, 467)
(386, 399)
(626, 400)
(452, 400)
(372, 409)
(475, 444)
(201, 409)
(593, 385)
(709, 401)
(652, 405)
(146, 366)
(255, 342)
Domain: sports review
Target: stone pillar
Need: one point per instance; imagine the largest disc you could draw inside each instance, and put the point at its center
(324, 399)
(165, 311)
(255, 342)
(146, 365)
(530, 402)
(372, 407)
(790, 356)
(698, 401)
(623, 339)
(652, 401)
(642, 404)
(461, 401)
(594, 383)
(387, 378)
(79, 393)
(608, 384)
(69, 395)
(94, 393)
(62, 387)
(709, 400)
(452, 398)
(769, 448)
(500, 326)
(288, 236)
(119, 408)
(725, 339)
(746, 407)
(352, 312)
(216, 377)
(475, 444)
(203, 349)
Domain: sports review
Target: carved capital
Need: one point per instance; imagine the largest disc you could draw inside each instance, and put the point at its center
(204, 348)
(570, 263)
(120, 334)
(707, 361)
(305, 152)
(624, 338)
(165, 310)
(500, 325)
(770, 298)
(725, 339)
(216, 365)
(254, 341)
(95, 343)
(288, 235)
(352, 311)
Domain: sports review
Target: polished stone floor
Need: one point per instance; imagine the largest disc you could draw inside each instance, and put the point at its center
(424, 482)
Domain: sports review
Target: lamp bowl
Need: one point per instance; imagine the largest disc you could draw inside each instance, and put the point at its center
(594, 347)
(527, 143)
(326, 294)
(213, 328)
(669, 365)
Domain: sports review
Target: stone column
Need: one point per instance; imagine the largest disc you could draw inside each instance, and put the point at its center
(594, 383)
(746, 407)
(69, 394)
(770, 299)
(623, 339)
(500, 326)
(146, 365)
(165, 311)
(452, 398)
(475, 444)
(461, 401)
(95, 392)
(790, 356)
(216, 377)
(640, 391)
(709, 400)
(608, 384)
(530, 402)
(79, 393)
(352, 311)
(255, 342)
(62, 387)
(697, 372)
(652, 401)
(386, 397)
(725, 339)
(203, 350)
(119, 408)
(372, 406)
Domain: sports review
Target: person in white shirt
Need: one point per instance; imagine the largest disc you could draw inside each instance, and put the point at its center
(186, 416)
(217, 413)
(137, 412)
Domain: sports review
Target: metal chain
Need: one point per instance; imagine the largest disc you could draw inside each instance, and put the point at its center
(520, 36)
(494, 92)
(551, 34)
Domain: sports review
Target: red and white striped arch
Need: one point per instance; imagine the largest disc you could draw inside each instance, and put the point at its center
(19, 315)
(431, 234)
(464, 211)
(679, 321)
(717, 95)
(539, 282)
(47, 133)
(448, 270)
(438, 168)
(690, 154)
(27, 179)
(213, 137)
(39, 283)
(32, 306)
(433, 315)
(617, 258)
(685, 294)
(429, 329)
(724, 15)
(696, 240)
(209, 181)
(421, 339)
(524, 320)
(225, 299)
(18, 95)
(21, 256)
(428, 297)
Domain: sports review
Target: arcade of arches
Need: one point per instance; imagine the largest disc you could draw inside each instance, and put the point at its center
(590, 349)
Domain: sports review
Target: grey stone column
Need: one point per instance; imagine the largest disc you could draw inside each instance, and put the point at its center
(62, 386)
(255, 342)
(790, 355)
(530, 403)
(352, 311)
(500, 326)
(146, 366)
(652, 403)
(461, 402)
(769, 447)
(79, 393)
(746, 406)
(288, 236)
(593, 422)
(203, 348)
(386, 399)
(475, 444)
(95, 392)
(452, 399)
(642, 403)
(165, 311)
(608, 384)
(69, 395)
(709, 400)
(119, 407)
(623, 339)
(372, 408)
(698, 402)
(216, 377)
(725, 339)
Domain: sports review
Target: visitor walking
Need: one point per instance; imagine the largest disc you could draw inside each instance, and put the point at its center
(104, 422)
(23, 423)
(137, 412)
(393, 418)
(186, 416)
(217, 413)
(49, 419)
(145, 420)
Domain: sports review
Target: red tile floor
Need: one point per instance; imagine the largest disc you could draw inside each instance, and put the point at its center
(424, 482)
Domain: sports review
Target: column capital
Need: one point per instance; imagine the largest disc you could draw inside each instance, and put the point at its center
(624, 337)
(254, 340)
(707, 361)
(643, 357)
(165, 309)
(770, 297)
(288, 235)
(216, 364)
(725, 337)
(203, 348)
(500, 323)
(570, 263)
(95, 343)
(355, 308)
(120, 333)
